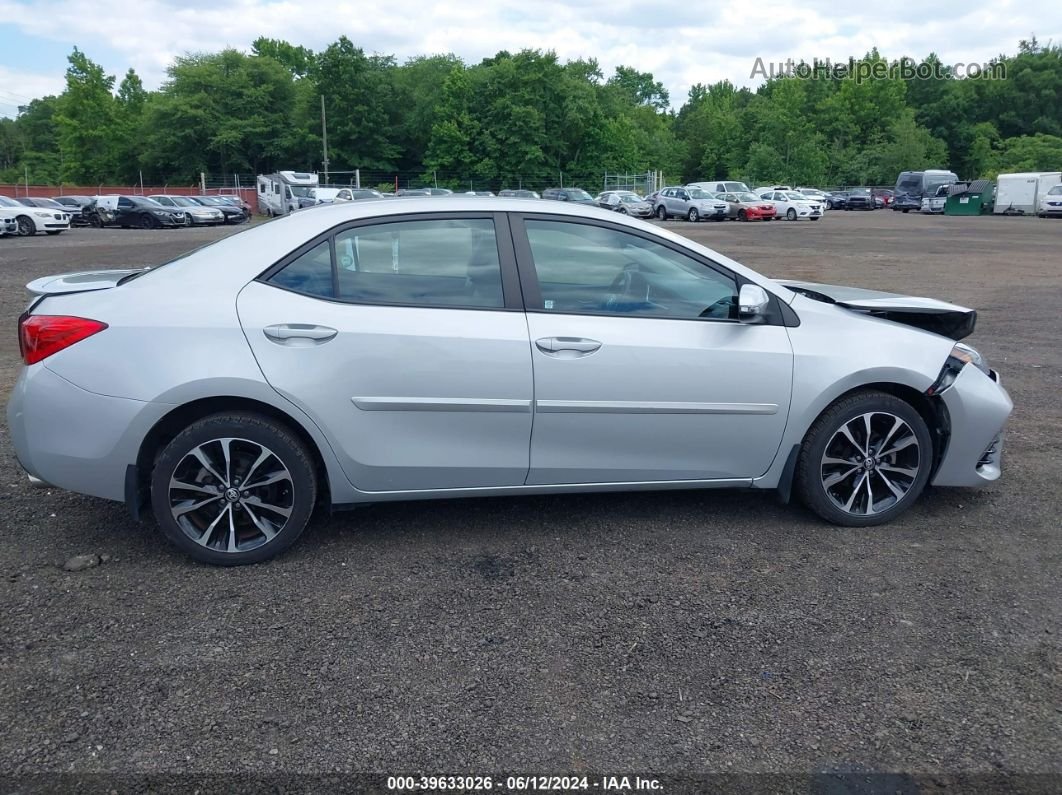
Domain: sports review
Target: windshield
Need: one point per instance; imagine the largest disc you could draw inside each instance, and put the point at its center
(747, 196)
(629, 198)
(181, 201)
(212, 201)
(144, 201)
(935, 181)
(6, 202)
(792, 194)
(301, 191)
(697, 193)
(575, 194)
(1055, 191)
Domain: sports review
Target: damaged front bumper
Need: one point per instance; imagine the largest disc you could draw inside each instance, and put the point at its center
(978, 407)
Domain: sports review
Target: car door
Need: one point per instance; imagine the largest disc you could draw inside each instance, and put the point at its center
(641, 371)
(681, 202)
(404, 339)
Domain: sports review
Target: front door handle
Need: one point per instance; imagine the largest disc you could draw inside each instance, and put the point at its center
(567, 346)
(285, 332)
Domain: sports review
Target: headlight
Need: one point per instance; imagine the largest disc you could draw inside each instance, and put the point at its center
(163, 213)
(960, 356)
(967, 355)
(40, 214)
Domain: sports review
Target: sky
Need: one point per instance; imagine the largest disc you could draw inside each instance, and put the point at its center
(680, 43)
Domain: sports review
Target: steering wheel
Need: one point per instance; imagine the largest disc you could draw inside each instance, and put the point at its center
(630, 290)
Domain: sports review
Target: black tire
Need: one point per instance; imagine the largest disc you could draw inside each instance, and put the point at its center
(791, 214)
(26, 227)
(809, 482)
(814, 217)
(661, 213)
(52, 231)
(693, 216)
(742, 215)
(906, 211)
(288, 452)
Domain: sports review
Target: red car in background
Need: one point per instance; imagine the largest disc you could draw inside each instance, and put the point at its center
(747, 206)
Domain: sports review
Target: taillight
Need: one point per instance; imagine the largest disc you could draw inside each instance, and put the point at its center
(39, 336)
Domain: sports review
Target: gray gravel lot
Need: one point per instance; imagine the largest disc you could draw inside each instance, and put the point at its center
(651, 633)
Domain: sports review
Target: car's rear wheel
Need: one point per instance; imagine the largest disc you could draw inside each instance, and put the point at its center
(693, 216)
(26, 227)
(865, 460)
(233, 489)
(661, 213)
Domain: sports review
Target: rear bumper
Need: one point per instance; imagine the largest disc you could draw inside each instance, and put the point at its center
(978, 407)
(55, 443)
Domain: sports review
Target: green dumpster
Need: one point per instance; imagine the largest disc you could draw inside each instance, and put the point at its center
(968, 198)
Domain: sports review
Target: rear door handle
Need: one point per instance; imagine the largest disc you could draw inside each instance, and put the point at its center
(284, 332)
(567, 346)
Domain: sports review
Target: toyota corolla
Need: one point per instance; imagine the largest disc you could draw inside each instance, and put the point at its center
(376, 351)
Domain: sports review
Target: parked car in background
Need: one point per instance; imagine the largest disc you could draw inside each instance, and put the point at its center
(837, 199)
(1051, 203)
(144, 213)
(195, 214)
(747, 206)
(791, 205)
(574, 195)
(885, 195)
(721, 186)
(75, 206)
(354, 194)
(913, 186)
(413, 192)
(519, 193)
(53, 205)
(860, 199)
(935, 204)
(8, 222)
(478, 193)
(626, 202)
(31, 219)
(232, 213)
(236, 201)
(601, 354)
(693, 204)
(815, 195)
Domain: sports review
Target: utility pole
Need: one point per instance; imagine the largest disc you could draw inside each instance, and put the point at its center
(324, 138)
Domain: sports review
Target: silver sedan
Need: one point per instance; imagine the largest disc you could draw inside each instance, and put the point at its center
(377, 351)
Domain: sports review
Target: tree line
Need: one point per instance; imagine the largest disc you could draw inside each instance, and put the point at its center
(527, 117)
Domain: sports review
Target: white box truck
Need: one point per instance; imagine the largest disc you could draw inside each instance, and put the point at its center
(1020, 194)
(285, 192)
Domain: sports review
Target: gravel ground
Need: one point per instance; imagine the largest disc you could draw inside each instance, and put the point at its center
(672, 633)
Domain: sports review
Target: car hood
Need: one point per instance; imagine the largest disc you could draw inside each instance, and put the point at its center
(80, 282)
(928, 314)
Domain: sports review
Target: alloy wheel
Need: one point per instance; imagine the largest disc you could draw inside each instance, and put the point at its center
(870, 463)
(25, 226)
(231, 495)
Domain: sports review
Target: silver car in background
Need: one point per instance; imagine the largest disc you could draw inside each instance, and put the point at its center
(625, 202)
(378, 351)
(195, 214)
(693, 204)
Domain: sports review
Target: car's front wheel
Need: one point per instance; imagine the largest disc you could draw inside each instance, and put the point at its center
(26, 227)
(865, 460)
(791, 214)
(233, 489)
(693, 216)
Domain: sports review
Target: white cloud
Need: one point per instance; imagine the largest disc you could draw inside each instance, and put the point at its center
(714, 42)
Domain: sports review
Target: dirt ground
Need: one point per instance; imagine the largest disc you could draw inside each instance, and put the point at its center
(653, 634)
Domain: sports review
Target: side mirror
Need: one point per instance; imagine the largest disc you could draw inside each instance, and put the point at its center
(752, 304)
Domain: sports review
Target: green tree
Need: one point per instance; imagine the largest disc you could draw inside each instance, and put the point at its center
(86, 120)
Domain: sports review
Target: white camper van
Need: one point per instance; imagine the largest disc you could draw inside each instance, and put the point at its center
(1020, 194)
(285, 192)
